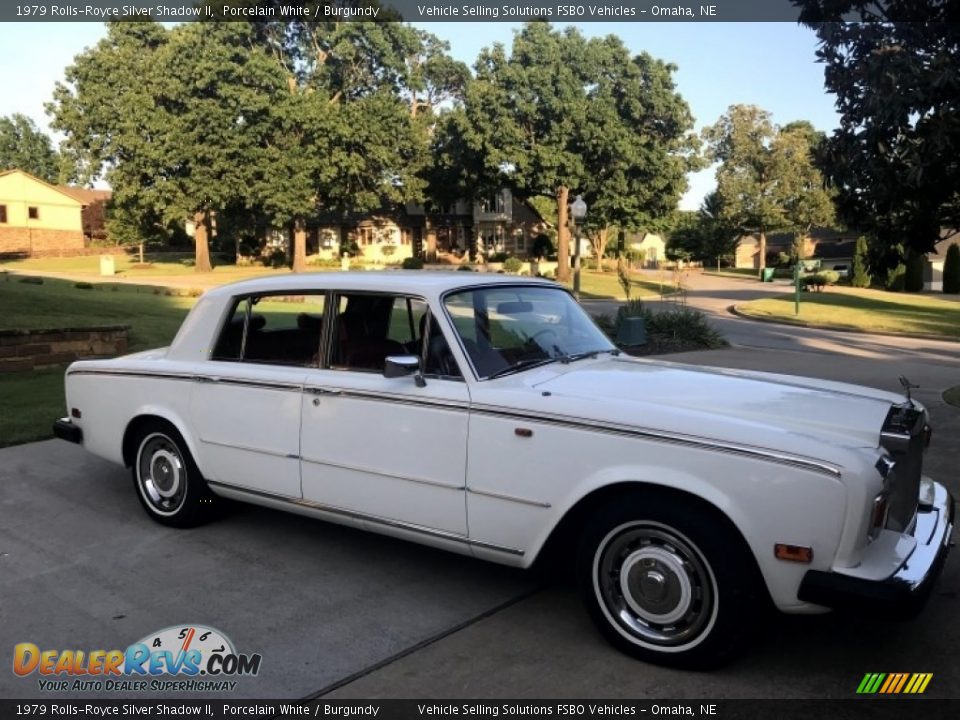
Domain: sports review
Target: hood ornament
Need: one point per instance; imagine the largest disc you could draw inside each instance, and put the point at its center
(907, 387)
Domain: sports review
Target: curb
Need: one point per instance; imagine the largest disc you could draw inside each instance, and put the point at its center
(735, 310)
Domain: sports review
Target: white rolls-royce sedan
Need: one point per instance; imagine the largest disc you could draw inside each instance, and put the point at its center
(488, 415)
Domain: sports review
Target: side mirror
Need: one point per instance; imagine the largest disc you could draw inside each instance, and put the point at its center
(395, 366)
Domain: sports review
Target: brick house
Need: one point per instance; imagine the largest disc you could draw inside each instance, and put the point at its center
(37, 218)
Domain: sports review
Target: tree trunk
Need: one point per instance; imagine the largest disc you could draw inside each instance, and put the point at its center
(299, 245)
(141, 253)
(599, 245)
(563, 235)
(763, 249)
(201, 238)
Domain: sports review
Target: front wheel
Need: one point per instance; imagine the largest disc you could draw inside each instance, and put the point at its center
(667, 581)
(168, 483)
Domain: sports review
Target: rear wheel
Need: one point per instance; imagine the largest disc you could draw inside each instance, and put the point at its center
(667, 581)
(168, 482)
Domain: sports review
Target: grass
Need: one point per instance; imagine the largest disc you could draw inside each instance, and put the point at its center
(30, 401)
(126, 266)
(750, 273)
(952, 396)
(864, 310)
(605, 285)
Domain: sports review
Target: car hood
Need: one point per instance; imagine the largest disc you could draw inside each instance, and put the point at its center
(735, 405)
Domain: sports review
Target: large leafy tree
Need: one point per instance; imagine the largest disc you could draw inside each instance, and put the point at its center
(562, 114)
(767, 179)
(24, 146)
(896, 78)
(351, 134)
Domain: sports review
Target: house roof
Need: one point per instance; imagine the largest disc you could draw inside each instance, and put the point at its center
(58, 188)
(87, 196)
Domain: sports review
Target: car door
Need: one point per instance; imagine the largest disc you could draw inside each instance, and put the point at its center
(247, 401)
(385, 450)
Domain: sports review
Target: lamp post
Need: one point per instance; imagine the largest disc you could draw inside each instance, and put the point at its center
(578, 211)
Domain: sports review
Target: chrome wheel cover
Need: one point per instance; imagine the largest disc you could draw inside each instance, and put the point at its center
(161, 474)
(654, 586)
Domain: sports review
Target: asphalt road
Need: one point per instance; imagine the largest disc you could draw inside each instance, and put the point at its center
(341, 613)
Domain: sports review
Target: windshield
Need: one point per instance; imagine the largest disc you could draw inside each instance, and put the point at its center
(506, 329)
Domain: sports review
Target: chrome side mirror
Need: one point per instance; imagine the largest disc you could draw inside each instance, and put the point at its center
(395, 366)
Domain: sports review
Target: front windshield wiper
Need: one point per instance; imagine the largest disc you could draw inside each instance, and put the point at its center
(567, 358)
(521, 365)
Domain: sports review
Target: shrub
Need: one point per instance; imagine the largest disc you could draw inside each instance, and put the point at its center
(684, 325)
(83, 286)
(951, 270)
(412, 263)
(913, 279)
(860, 276)
(276, 259)
(512, 265)
(31, 280)
(542, 246)
(818, 281)
(497, 257)
(324, 262)
(895, 278)
(464, 268)
(188, 262)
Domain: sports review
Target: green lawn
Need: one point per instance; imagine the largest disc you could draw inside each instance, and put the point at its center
(31, 400)
(748, 273)
(606, 285)
(952, 396)
(866, 311)
(126, 266)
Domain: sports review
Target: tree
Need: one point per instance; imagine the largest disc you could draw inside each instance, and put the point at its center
(704, 234)
(25, 147)
(767, 179)
(351, 134)
(860, 276)
(896, 78)
(562, 113)
(951, 270)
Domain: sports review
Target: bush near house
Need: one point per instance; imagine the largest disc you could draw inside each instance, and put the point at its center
(678, 330)
(412, 263)
(860, 276)
(913, 280)
(512, 265)
(951, 270)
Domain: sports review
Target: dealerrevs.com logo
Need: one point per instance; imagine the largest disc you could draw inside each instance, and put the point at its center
(178, 658)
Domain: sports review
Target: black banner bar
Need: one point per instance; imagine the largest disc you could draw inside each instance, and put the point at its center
(894, 708)
(561, 11)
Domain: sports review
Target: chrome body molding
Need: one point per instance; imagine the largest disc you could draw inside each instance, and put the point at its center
(510, 498)
(241, 493)
(248, 448)
(663, 436)
(392, 476)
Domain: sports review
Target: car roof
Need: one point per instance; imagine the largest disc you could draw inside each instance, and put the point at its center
(412, 282)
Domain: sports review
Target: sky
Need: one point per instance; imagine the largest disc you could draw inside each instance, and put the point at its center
(772, 65)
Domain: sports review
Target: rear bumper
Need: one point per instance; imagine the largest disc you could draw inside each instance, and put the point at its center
(905, 592)
(66, 430)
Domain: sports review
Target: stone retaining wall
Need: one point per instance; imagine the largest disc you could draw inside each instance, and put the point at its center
(29, 349)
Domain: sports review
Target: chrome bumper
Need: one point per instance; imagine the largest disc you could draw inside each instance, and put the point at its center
(905, 592)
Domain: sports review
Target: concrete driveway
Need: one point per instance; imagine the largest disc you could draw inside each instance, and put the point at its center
(340, 613)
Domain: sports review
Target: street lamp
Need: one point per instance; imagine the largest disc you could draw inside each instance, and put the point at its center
(578, 210)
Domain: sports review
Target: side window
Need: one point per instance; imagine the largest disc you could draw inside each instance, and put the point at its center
(274, 329)
(230, 343)
(369, 328)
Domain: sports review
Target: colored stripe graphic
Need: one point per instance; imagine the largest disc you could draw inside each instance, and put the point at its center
(894, 683)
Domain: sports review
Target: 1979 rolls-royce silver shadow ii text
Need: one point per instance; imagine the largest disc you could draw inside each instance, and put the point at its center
(490, 416)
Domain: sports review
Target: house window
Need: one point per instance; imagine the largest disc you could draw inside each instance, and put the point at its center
(3, 214)
(366, 235)
(519, 240)
(33, 213)
(493, 204)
